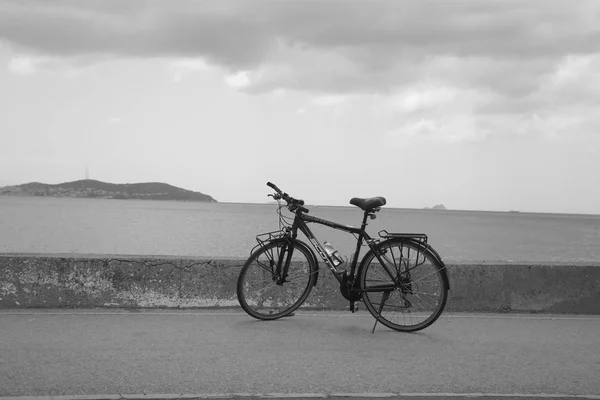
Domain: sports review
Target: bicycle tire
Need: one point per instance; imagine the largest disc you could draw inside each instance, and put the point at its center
(423, 283)
(270, 305)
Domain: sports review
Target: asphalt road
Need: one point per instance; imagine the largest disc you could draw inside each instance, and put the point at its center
(88, 352)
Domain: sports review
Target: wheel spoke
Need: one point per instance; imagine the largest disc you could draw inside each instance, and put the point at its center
(260, 295)
(420, 294)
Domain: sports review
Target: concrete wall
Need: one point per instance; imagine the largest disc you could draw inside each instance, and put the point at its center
(28, 281)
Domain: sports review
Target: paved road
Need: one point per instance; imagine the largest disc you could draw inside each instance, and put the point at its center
(58, 352)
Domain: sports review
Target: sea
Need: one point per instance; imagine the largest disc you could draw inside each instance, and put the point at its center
(78, 226)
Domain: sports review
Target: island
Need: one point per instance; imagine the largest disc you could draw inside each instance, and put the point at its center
(436, 207)
(102, 190)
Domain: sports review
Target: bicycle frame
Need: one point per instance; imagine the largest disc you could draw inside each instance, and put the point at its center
(301, 220)
(300, 223)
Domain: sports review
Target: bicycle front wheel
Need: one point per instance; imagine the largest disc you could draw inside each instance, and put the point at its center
(408, 293)
(262, 290)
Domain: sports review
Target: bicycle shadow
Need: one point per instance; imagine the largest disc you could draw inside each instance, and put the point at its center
(261, 325)
(384, 334)
(345, 329)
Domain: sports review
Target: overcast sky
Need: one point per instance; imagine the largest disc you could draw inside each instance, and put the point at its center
(481, 105)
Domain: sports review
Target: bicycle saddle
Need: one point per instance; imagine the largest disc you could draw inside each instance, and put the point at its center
(368, 204)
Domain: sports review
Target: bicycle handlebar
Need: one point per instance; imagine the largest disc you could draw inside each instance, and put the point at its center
(292, 203)
(272, 185)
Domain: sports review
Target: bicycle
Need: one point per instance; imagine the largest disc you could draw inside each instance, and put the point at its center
(401, 279)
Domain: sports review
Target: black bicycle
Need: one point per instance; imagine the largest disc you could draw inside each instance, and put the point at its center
(402, 280)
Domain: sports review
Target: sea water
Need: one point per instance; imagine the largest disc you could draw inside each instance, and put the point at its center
(142, 227)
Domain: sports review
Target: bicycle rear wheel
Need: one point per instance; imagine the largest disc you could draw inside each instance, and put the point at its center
(261, 290)
(415, 294)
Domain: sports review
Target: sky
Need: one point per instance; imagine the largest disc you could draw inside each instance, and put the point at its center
(477, 105)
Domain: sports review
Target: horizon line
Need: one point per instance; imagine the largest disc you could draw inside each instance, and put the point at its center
(330, 205)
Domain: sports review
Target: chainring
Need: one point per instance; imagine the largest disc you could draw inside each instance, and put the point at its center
(350, 293)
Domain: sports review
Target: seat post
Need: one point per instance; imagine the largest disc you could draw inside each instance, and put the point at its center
(364, 221)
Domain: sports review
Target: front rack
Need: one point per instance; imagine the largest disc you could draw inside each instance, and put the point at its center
(264, 238)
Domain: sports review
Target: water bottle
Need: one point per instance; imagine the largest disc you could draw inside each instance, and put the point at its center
(333, 253)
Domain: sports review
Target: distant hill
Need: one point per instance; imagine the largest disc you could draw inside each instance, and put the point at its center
(98, 189)
(436, 207)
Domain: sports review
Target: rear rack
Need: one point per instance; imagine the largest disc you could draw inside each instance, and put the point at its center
(420, 237)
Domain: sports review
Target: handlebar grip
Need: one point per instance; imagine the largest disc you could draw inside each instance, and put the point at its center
(272, 185)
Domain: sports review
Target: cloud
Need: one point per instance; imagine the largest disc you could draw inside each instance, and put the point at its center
(243, 35)
(422, 96)
(32, 64)
(331, 100)
(183, 66)
(448, 129)
(22, 65)
(238, 80)
(494, 62)
(563, 103)
(135, 28)
(435, 114)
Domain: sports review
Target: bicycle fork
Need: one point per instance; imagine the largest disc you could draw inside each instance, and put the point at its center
(286, 252)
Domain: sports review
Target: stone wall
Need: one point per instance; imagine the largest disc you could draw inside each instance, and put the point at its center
(32, 281)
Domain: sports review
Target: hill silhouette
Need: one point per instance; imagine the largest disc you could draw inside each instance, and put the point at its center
(97, 189)
(436, 207)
